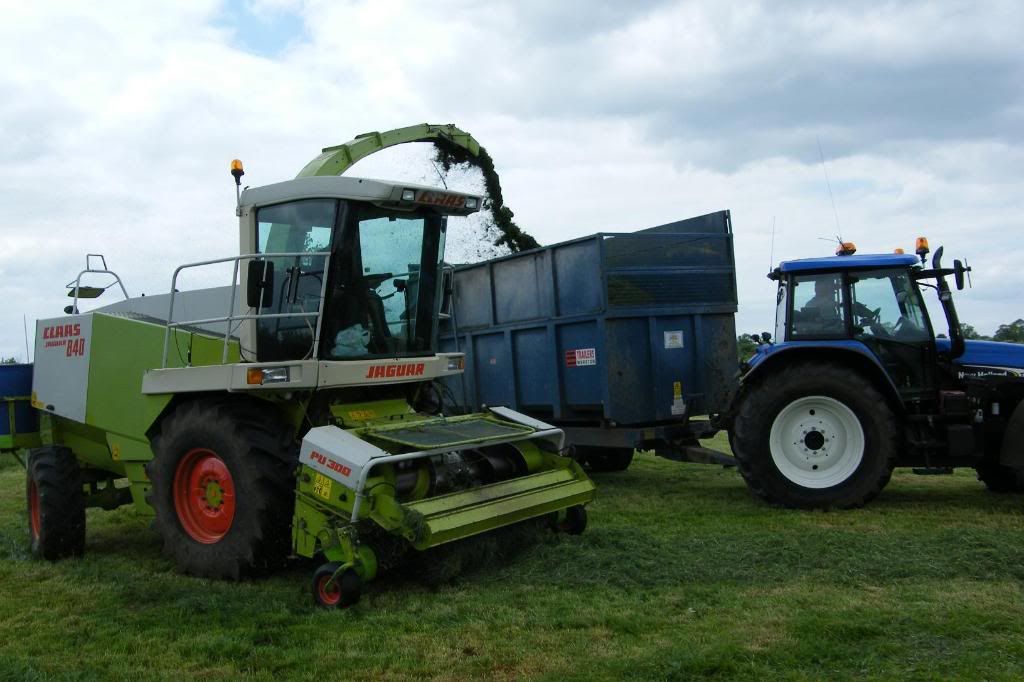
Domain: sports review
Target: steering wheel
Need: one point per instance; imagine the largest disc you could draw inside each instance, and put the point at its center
(871, 317)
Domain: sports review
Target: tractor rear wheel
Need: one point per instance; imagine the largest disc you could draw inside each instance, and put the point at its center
(56, 506)
(606, 459)
(815, 436)
(999, 478)
(223, 487)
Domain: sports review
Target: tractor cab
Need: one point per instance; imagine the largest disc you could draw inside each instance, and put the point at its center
(873, 305)
(344, 268)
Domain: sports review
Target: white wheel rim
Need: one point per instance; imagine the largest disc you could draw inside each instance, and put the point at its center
(817, 442)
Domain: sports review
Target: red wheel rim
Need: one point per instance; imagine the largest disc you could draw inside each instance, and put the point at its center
(34, 516)
(329, 593)
(204, 496)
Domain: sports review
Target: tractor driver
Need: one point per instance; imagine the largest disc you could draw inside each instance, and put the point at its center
(821, 313)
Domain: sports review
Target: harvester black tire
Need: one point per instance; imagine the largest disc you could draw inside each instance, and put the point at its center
(606, 459)
(762, 403)
(249, 455)
(999, 478)
(55, 504)
(340, 593)
(575, 520)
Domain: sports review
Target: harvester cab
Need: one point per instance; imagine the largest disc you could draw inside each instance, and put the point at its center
(295, 411)
(859, 382)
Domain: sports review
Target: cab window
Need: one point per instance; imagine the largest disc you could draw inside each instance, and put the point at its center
(886, 305)
(818, 310)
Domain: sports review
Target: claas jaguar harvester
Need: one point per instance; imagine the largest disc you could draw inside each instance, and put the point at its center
(294, 412)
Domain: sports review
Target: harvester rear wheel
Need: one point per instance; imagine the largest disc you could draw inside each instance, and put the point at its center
(56, 506)
(340, 592)
(223, 487)
(607, 459)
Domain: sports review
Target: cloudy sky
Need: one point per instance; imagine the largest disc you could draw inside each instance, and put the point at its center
(118, 122)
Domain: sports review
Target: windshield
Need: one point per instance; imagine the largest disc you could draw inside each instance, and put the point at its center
(294, 227)
(887, 305)
(384, 286)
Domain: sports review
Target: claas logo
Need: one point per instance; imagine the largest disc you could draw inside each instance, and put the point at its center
(441, 199)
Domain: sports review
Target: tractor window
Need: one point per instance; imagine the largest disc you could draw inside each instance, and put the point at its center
(886, 305)
(818, 311)
(294, 227)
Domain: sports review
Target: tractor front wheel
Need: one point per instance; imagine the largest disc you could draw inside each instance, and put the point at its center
(815, 436)
(56, 506)
(223, 488)
(999, 478)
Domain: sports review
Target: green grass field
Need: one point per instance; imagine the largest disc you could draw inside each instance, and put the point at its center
(681, 574)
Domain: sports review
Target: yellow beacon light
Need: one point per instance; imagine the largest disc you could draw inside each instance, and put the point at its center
(237, 170)
(898, 252)
(846, 249)
(921, 249)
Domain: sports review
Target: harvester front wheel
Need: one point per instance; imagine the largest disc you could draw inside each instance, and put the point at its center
(56, 506)
(223, 488)
(336, 592)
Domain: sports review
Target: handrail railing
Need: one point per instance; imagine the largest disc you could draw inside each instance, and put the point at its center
(95, 271)
(231, 316)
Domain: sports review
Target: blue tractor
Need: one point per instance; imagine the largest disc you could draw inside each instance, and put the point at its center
(858, 382)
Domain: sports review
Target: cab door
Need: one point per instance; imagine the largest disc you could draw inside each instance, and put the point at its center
(888, 316)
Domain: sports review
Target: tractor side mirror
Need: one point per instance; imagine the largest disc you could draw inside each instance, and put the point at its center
(260, 280)
(447, 290)
(958, 274)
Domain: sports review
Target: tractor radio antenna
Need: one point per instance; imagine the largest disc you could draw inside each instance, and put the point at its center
(828, 184)
(771, 250)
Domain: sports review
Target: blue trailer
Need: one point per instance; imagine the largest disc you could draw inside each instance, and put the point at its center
(626, 341)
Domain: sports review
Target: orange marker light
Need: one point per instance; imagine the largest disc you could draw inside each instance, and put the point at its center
(237, 171)
(254, 376)
(898, 251)
(846, 249)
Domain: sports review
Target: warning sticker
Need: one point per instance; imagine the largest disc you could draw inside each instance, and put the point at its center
(678, 404)
(674, 339)
(322, 486)
(580, 357)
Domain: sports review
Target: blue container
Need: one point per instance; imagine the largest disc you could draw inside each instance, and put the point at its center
(611, 330)
(16, 382)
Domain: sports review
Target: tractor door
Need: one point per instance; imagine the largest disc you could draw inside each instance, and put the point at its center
(889, 317)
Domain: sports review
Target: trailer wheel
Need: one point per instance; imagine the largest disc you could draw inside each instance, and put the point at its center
(999, 478)
(223, 488)
(606, 459)
(815, 436)
(56, 506)
(340, 592)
